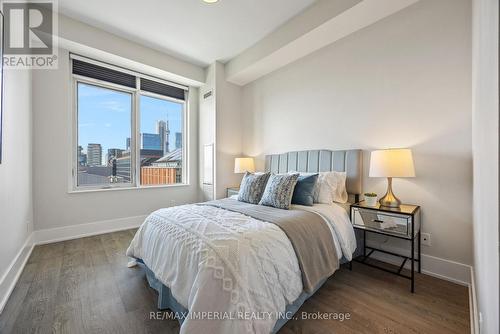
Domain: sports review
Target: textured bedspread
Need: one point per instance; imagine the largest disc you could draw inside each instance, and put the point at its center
(241, 270)
(233, 272)
(308, 232)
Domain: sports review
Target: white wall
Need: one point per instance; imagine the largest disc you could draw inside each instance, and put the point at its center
(485, 144)
(53, 205)
(78, 37)
(220, 123)
(228, 132)
(16, 209)
(206, 132)
(403, 82)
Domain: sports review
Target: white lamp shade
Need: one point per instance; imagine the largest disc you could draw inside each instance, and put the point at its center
(392, 163)
(242, 165)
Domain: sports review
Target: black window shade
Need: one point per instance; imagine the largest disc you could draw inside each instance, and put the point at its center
(103, 73)
(106, 74)
(162, 89)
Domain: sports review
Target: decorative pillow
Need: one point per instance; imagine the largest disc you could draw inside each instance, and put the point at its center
(279, 191)
(340, 195)
(304, 190)
(331, 188)
(252, 186)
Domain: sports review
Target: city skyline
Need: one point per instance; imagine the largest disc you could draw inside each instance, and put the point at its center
(104, 117)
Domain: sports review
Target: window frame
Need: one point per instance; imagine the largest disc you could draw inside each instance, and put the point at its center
(135, 165)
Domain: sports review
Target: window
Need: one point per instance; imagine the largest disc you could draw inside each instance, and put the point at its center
(161, 134)
(130, 129)
(104, 122)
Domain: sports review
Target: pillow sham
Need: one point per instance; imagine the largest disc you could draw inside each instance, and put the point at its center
(252, 186)
(279, 191)
(331, 188)
(303, 194)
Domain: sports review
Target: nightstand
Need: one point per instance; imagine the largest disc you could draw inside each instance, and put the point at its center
(401, 223)
(232, 191)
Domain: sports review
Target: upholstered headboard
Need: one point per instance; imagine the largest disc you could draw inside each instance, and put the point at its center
(349, 161)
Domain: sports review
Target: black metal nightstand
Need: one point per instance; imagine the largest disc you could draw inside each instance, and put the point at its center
(402, 223)
(232, 191)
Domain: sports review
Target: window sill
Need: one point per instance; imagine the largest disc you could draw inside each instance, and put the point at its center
(93, 190)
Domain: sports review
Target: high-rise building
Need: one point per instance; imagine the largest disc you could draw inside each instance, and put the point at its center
(151, 141)
(164, 132)
(123, 168)
(178, 140)
(114, 153)
(82, 157)
(94, 155)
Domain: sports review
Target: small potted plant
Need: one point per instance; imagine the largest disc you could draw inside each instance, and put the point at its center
(371, 199)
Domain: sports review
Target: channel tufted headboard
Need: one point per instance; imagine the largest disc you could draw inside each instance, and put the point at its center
(350, 161)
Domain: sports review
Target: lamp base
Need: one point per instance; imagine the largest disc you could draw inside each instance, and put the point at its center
(390, 200)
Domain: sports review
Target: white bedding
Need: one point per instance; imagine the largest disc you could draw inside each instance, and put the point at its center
(338, 220)
(228, 263)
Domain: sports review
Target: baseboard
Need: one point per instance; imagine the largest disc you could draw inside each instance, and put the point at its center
(434, 266)
(85, 230)
(474, 312)
(11, 276)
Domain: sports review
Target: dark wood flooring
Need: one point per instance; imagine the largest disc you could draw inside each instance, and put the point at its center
(84, 286)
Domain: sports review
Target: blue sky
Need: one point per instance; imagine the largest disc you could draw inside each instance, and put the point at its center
(104, 117)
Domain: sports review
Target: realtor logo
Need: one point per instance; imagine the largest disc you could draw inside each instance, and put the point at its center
(30, 34)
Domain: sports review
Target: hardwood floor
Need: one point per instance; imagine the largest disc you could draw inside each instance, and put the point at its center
(84, 286)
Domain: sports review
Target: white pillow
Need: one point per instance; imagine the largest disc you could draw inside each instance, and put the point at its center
(331, 188)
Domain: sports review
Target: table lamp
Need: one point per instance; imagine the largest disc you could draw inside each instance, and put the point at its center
(391, 163)
(242, 165)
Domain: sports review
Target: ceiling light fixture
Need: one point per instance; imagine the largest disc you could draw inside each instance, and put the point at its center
(210, 1)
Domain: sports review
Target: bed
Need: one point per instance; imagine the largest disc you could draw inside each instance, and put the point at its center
(223, 267)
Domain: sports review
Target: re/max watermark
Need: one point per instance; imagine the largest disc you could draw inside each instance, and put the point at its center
(214, 315)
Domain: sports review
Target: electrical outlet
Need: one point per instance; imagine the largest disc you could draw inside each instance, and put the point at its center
(426, 239)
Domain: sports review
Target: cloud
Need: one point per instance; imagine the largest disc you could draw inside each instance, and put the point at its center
(114, 106)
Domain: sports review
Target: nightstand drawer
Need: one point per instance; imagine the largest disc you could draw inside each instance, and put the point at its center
(389, 223)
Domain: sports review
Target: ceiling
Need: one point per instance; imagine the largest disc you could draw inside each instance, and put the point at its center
(189, 29)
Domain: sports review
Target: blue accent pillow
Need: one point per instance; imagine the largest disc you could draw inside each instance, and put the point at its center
(304, 190)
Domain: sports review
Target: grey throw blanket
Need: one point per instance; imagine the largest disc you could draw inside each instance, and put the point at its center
(309, 235)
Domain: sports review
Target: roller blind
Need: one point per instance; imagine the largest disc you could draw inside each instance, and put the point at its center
(162, 89)
(102, 73)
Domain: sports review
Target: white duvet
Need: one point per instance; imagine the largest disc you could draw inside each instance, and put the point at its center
(242, 270)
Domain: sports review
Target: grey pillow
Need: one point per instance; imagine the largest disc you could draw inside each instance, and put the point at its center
(279, 191)
(252, 186)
